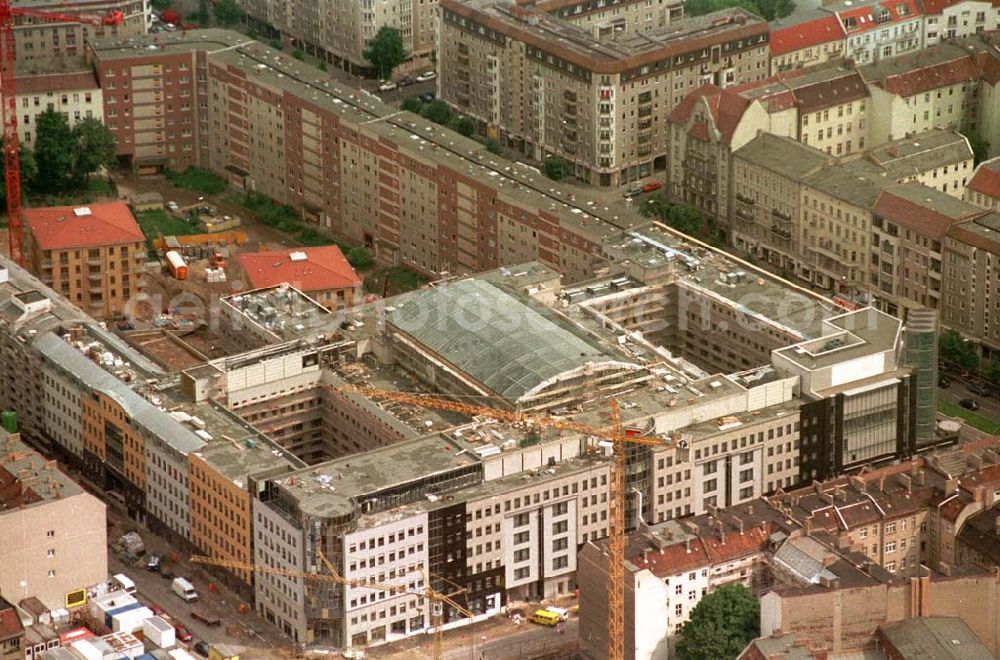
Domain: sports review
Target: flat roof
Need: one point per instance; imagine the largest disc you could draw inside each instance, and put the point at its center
(21, 463)
(919, 153)
(938, 637)
(783, 155)
(847, 337)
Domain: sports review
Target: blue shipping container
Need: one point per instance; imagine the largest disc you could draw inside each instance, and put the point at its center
(110, 614)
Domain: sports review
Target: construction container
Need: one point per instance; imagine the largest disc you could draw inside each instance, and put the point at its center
(159, 632)
(175, 262)
(131, 620)
(86, 650)
(8, 420)
(109, 615)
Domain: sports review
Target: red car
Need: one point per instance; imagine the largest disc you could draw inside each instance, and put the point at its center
(182, 633)
(156, 610)
(650, 186)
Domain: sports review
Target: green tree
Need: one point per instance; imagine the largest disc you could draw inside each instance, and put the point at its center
(54, 149)
(93, 148)
(956, 349)
(993, 372)
(385, 51)
(463, 126)
(557, 168)
(298, 54)
(412, 104)
(204, 18)
(980, 147)
(493, 146)
(721, 625)
(323, 66)
(275, 44)
(359, 258)
(160, 5)
(436, 111)
(227, 12)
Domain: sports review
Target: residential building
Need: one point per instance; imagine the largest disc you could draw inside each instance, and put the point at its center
(612, 20)
(94, 255)
(909, 223)
(809, 43)
(790, 645)
(880, 30)
(950, 19)
(56, 533)
(983, 189)
(939, 159)
(970, 282)
(320, 272)
(768, 175)
(11, 632)
(339, 33)
(74, 92)
(544, 87)
(57, 41)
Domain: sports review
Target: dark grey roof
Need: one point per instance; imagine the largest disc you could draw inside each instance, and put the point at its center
(934, 638)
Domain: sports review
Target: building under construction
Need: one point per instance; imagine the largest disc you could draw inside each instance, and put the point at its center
(272, 455)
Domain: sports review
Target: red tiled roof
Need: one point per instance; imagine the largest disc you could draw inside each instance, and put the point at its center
(10, 622)
(725, 106)
(865, 17)
(989, 63)
(918, 81)
(924, 220)
(322, 269)
(805, 35)
(986, 178)
(704, 552)
(62, 227)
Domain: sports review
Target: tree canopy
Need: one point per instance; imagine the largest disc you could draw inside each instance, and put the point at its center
(436, 111)
(557, 168)
(386, 51)
(54, 152)
(686, 219)
(28, 171)
(94, 148)
(980, 147)
(721, 625)
(954, 348)
(227, 12)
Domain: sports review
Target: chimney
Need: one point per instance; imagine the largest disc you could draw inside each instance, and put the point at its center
(914, 468)
(860, 484)
(825, 496)
(687, 544)
(721, 527)
(974, 461)
(921, 477)
(907, 483)
(645, 555)
(739, 524)
(950, 486)
(996, 526)
(881, 483)
(807, 526)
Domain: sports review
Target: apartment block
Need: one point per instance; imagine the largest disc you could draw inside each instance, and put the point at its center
(954, 20)
(94, 255)
(74, 92)
(809, 43)
(62, 41)
(339, 32)
(881, 30)
(545, 87)
(56, 533)
(969, 302)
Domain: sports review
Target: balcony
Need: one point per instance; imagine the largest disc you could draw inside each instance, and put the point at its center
(783, 232)
(94, 261)
(645, 111)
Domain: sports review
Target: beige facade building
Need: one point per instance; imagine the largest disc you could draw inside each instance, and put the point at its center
(971, 280)
(339, 32)
(49, 41)
(983, 189)
(74, 93)
(544, 87)
(94, 255)
(55, 533)
(806, 44)
(609, 20)
(954, 20)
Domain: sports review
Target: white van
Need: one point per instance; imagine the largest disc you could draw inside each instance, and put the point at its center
(184, 589)
(561, 612)
(123, 582)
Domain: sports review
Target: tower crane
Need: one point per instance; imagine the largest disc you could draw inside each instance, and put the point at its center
(334, 577)
(616, 495)
(8, 115)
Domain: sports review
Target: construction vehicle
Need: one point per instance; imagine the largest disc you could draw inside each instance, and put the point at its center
(428, 592)
(616, 488)
(15, 223)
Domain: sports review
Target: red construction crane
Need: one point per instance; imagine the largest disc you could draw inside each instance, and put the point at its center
(15, 228)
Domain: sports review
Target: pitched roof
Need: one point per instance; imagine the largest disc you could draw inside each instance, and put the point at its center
(835, 90)
(986, 178)
(925, 79)
(10, 622)
(858, 20)
(56, 82)
(93, 225)
(938, 637)
(307, 269)
(805, 35)
(927, 211)
(725, 108)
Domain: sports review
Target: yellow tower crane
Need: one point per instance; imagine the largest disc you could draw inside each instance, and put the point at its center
(616, 494)
(428, 592)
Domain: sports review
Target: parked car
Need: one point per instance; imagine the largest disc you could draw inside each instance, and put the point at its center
(153, 563)
(156, 610)
(387, 86)
(969, 404)
(427, 75)
(172, 206)
(428, 97)
(166, 573)
(633, 193)
(201, 648)
(406, 81)
(650, 186)
(977, 389)
(182, 632)
(944, 382)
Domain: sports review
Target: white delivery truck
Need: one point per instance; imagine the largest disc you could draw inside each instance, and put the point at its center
(185, 589)
(123, 582)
